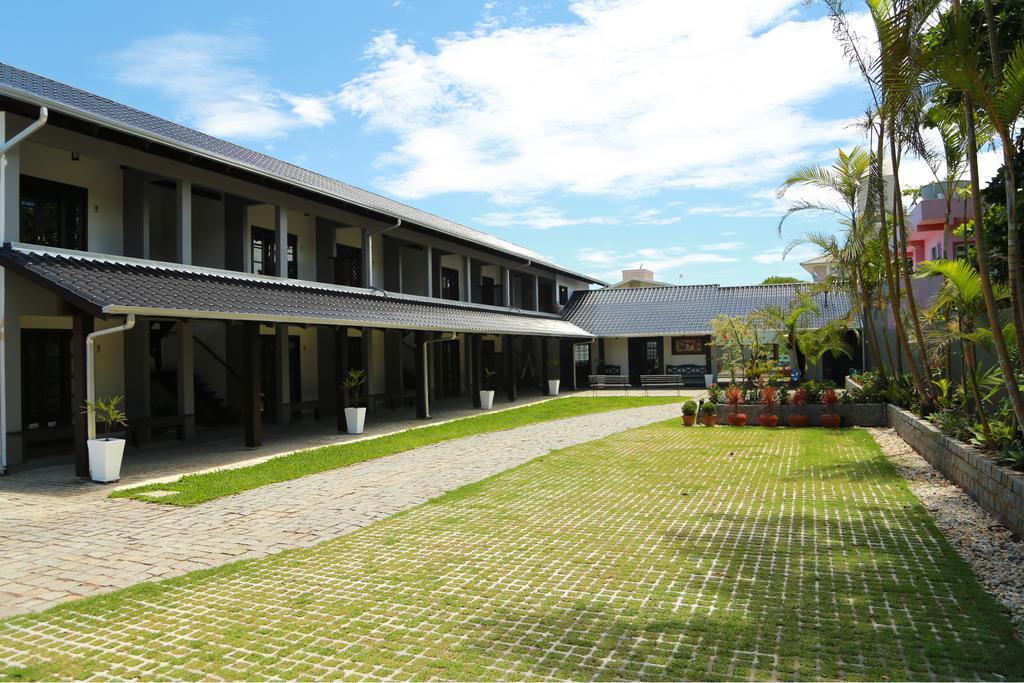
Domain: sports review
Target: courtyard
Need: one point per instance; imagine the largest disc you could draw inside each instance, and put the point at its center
(657, 552)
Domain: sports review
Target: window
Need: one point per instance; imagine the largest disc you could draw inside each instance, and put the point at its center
(652, 350)
(960, 250)
(490, 294)
(46, 359)
(581, 354)
(264, 253)
(450, 284)
(53, 214)
(563, 295)
(348, 266)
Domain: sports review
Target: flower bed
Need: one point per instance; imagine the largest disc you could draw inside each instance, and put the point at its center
(853, 414)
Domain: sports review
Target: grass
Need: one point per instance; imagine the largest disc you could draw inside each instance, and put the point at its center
(194, 489)
(661, 553)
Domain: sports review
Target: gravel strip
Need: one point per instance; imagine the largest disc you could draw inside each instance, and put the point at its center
(997, 560)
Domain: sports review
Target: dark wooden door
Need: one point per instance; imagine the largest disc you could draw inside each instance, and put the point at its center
(46, 379)
(645, 358)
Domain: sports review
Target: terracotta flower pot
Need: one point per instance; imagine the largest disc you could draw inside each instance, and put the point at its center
(768, 420)
(710, 420)
(798, 420)
(688, 420)
(738, 419)
(831, 420)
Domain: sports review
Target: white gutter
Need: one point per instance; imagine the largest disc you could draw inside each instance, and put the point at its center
(5, 147)
(90, 368)
(426, 367)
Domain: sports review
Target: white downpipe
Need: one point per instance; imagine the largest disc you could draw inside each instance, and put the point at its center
(90, 367)
(5, 223)
(426, 366)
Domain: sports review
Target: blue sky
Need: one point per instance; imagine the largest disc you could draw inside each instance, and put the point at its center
(601, 134)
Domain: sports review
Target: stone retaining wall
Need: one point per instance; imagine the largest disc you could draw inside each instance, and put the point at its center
(854, 414)
(997, 489)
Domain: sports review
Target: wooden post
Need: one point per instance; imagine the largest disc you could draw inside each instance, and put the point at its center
(544, 364)
(507, 343)
(82, 325)
(476, 343)
(421, 375)
(341, 365)
(251, 381)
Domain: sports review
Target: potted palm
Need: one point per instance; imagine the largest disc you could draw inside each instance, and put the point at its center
(798, 418)
(105, 454)
(487, 393)
(689, 413)
(830, 418)
(770, 401)
(355, 415)
(709, 411)
(553, 384)
(734, 397)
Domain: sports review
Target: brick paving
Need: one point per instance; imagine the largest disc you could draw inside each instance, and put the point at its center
(60, 542)
(658, 553)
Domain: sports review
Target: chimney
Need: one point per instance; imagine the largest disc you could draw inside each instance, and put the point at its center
(640, 273)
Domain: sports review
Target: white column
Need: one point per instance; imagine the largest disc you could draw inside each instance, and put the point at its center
(368, 258)
(183, 215)
(536, 292)
(506, 287)
(467, 267)
(10, 189)
(281, 233)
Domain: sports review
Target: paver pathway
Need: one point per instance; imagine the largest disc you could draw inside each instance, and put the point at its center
(55, 548)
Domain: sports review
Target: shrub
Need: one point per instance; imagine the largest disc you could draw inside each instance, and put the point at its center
(708, 408)
(715, 393)
(769, 398)
(734, 397)
(690, 408)
(829, 397)
(799, 398)
(108, 411)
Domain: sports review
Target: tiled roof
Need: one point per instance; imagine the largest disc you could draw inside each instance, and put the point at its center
(82, 104)
(682, 310)
(113, 285)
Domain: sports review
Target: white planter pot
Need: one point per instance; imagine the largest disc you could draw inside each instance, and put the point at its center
(105, 459)
(708, 381)
(553, 385)
(486, 399)
(355, 418)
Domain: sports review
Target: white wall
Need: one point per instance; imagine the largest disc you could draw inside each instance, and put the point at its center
(616, 352)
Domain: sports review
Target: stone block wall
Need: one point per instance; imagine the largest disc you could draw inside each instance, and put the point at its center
(854, 414)
(997, 489)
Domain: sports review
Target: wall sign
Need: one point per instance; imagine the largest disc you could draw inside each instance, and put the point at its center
(687, 345)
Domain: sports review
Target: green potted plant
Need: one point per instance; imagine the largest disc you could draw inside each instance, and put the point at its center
(798, 418)
(487, 393)
(105, 454)
(709, 411)
(689, 413)
(829, 418)
(770, 401)
(734, 397)
(355, 415)
(553, 384)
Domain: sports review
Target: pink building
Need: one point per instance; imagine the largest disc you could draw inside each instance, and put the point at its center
(927, 219)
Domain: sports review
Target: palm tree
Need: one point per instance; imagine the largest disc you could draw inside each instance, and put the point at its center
(962, 294)
(954, 60)
(824, 340)
(789, 321)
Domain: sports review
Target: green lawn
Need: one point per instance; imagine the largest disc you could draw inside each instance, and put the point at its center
(658, 553)
(193, 489)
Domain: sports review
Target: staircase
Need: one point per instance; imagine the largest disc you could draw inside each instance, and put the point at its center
(211, 409)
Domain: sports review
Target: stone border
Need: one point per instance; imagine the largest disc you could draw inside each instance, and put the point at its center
(853, 414)
(997, 489)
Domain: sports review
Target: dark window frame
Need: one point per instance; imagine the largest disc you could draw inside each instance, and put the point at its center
(268, 249)
(68, 198)
(42, 387)
(449, 285)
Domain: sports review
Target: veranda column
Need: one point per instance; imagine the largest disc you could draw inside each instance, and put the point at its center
(234, 259)
(475, 371)
(186, 378)
(544, 367)
(326, 365)
(10, 231)
(283, 368)
(341, 364)
(251, 370)
(183, 222)
(135, 213)
(422, 377)
(82, 324)
(511, 390)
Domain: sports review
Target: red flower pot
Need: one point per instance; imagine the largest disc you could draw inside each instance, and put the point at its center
(797, 420)
(738, 419)
(768, 420)
(688, 420)
(710, 420)
(831, 420)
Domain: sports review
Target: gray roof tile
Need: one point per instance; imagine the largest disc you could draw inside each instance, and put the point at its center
(116, 286)
(76, 102)
(640, 311)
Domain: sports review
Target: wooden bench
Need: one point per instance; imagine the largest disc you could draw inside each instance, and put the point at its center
(609, 382)
(661, 381)
(688, 371)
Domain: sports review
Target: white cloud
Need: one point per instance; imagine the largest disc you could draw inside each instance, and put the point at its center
(206, 74)
(630, 97)
(539, 218)
(659, 259)
(775, 255)
(722, 246)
